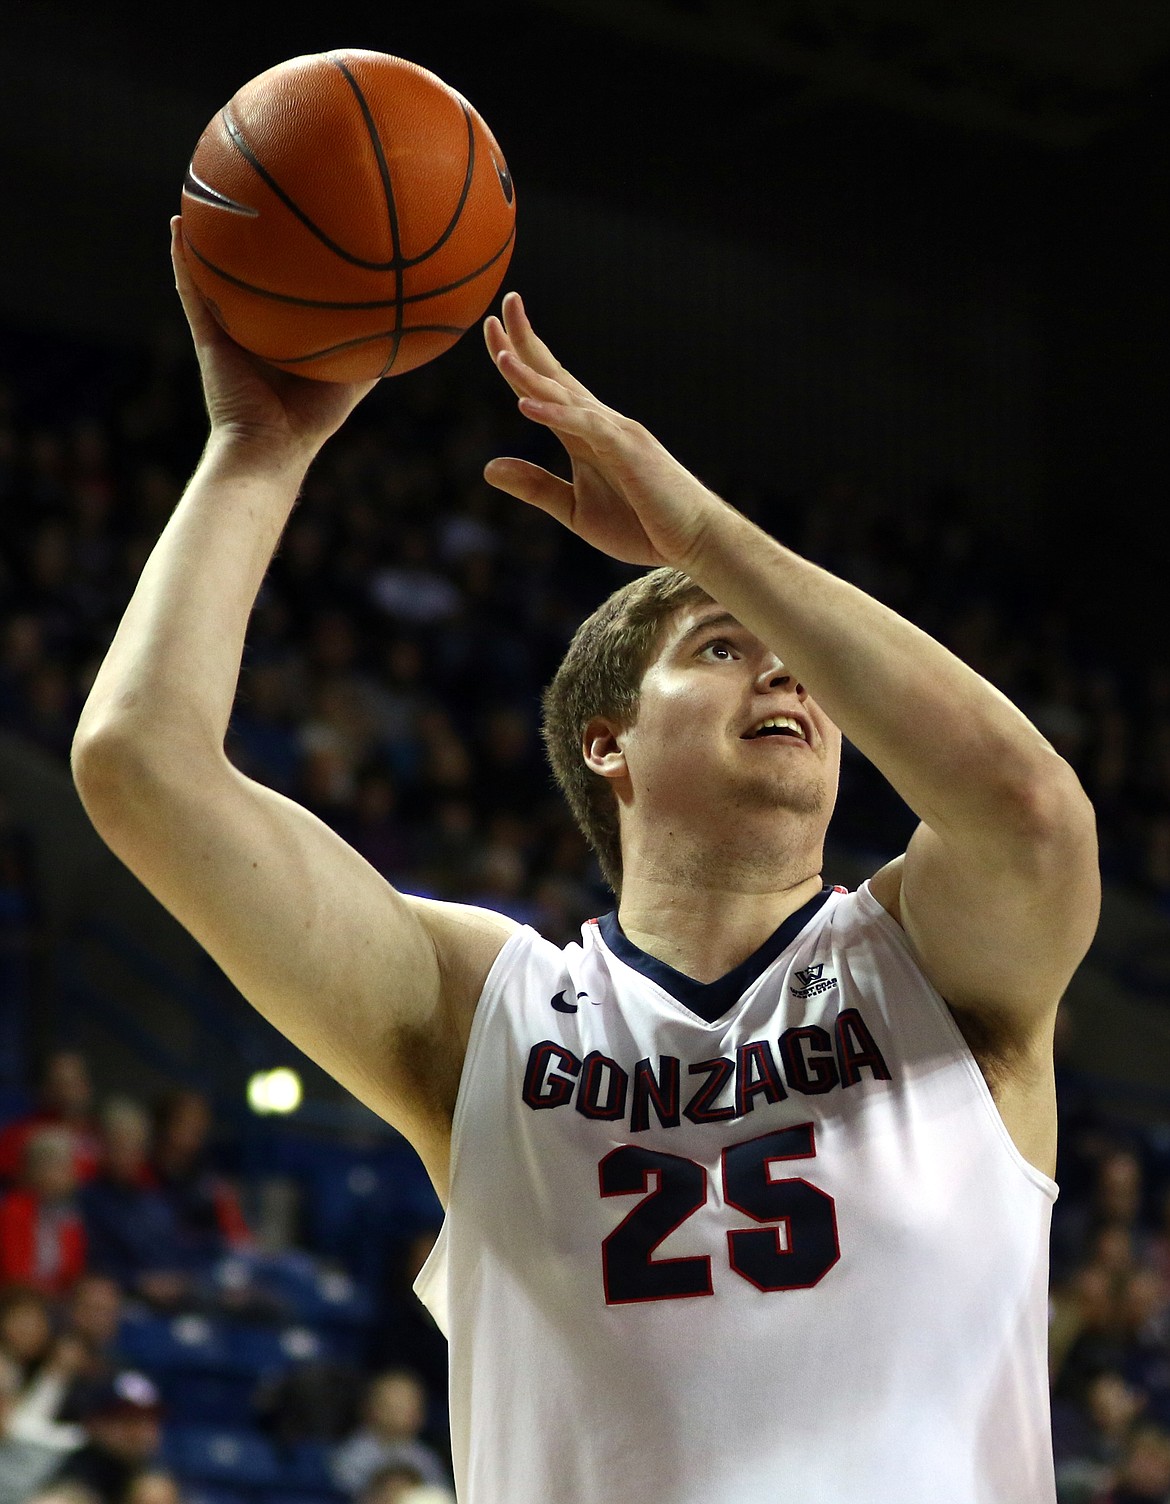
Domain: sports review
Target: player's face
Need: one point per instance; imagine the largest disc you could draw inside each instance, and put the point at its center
(698, 740)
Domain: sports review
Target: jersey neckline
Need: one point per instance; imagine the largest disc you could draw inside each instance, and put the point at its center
(710, 1000)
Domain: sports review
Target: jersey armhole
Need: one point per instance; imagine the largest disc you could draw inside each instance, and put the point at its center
(873, 909)
(490, 994)
(430, 1282)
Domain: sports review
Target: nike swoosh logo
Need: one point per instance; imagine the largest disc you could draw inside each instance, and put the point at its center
(560, 1004)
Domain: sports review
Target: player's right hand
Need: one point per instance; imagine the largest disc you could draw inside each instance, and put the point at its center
(284, 418)
(627, 495)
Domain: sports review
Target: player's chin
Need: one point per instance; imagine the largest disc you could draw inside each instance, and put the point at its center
(799, 795)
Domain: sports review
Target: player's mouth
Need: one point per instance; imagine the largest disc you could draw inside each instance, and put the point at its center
(788, 727)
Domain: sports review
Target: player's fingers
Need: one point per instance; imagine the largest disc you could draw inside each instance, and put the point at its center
(526, 382)
(203, 324)
(530, 483)
(531, 348)
(584, 428)
(495, 336)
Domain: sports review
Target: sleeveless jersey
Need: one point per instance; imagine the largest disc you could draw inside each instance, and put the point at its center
(766, 1241)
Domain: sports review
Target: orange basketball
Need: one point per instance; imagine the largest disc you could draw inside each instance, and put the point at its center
(347, 215)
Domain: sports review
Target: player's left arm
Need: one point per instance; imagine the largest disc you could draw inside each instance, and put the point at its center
(999, 889)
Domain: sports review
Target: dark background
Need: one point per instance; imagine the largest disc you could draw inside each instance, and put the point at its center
(775, 232)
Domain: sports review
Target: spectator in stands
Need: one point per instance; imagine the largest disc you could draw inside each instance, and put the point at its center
(26, 1329)
(131, 1227)
(1145, 1318)
(1144, 1474)
(317, 1400)
(42, 1237)
(25, 1463)
(66, 1101)
(391, 1484)
(38, 1412)
(123, 1424)
(1086, 1334)
(153, 1487)
(92, 1318)
(94, 1311)
(65, 1493)
(1119, 1194)
(49, 1365)
(1089, 1442)
(206, 1209)
(1113, 1248)
(394, 1416)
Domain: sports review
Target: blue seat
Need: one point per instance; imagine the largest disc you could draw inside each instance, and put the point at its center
(162, 1344)
(300, 1285)
(306, 1467)
(355, 1210)
(220, 1455)
(260, 1350)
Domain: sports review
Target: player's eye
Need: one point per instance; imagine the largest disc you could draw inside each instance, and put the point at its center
(718, 647)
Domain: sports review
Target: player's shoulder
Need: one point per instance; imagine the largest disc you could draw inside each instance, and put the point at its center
(447, 911)
(886, 887)
(870, 914)
(468, 940)
(463, 934)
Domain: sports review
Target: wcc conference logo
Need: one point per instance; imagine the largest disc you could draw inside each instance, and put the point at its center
(812, 980)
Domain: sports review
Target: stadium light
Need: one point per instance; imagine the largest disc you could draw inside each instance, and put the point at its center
(277, 1091)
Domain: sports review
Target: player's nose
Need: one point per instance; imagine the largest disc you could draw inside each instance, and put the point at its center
(774, 674)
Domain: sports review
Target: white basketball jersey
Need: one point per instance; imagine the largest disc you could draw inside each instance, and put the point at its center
(765, 1241)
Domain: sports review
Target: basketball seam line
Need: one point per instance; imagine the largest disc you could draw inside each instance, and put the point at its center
(365, 339)
(395, 264)
(236, 136)
(356, 307)
(391, 206)
(406, 261)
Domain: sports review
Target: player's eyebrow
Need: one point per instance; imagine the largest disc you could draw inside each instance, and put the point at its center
(720, 619)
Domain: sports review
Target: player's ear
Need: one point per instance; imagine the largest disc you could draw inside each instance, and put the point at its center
(601, 747)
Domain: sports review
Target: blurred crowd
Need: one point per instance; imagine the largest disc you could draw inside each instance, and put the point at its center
(412, 615)
(391, 684)
(112, 1214)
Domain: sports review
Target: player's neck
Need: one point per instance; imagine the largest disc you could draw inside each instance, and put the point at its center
(704, 922)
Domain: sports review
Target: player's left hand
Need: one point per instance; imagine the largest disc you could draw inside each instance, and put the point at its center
(628, 496)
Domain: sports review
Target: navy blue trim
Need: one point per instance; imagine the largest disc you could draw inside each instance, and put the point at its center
(710, 1000)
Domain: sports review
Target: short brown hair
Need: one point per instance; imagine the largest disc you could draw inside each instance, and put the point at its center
(601, 674)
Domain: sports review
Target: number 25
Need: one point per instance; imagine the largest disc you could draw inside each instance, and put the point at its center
(805, 1216)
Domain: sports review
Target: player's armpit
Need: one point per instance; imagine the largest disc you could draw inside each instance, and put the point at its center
(377, 987)
(1000, 924)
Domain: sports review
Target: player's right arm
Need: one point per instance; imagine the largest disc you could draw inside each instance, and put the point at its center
(376, 986)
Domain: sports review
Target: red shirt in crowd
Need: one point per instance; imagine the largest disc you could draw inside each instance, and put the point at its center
(40, 1246)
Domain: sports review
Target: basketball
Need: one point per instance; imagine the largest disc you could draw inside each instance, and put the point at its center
(347, 215)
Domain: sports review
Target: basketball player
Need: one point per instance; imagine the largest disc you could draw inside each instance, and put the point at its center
(748, 1194)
